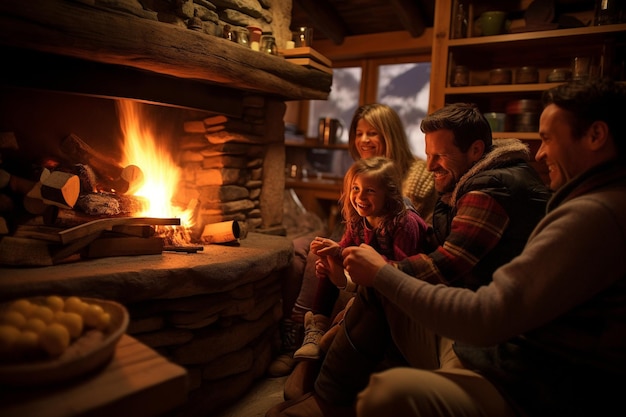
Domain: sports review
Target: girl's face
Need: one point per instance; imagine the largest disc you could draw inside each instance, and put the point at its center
(367, 197)
(368, 141)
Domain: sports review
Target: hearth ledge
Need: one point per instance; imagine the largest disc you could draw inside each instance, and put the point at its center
(218, 268)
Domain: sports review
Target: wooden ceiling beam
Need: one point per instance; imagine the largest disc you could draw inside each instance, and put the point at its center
(410, 16)
(325, 18)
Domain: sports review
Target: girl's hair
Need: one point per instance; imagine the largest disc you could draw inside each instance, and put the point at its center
(386, 173)
(391, 130)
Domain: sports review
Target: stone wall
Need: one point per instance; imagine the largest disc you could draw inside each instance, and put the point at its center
(234, 165)
(210, 17)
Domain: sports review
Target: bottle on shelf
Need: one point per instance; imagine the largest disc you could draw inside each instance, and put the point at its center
(459, 24)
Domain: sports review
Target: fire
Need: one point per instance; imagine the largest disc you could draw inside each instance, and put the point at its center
(161, 173)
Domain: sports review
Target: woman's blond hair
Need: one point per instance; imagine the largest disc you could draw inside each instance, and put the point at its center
(388, 124)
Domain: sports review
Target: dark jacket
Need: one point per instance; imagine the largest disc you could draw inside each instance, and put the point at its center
(470, 254)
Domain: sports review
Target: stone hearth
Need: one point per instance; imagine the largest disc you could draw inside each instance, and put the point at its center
(214, 312)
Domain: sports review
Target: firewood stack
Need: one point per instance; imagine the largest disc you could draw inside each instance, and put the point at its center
(73, 205)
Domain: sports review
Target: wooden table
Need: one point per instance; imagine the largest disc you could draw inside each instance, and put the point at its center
(137, 382)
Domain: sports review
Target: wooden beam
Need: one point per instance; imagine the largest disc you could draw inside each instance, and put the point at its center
(410, 16)
(377, 45)
(73, 29)
(325, 18)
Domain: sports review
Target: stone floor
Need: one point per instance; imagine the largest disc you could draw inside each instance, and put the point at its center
(265, 394)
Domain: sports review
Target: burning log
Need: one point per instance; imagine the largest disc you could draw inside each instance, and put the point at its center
(111, 175)
(111, 204)
(130, 180)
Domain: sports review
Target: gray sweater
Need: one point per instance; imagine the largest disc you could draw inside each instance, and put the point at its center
(550, 330)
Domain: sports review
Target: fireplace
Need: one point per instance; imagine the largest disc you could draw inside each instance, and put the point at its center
(229, 128)
(220, 107)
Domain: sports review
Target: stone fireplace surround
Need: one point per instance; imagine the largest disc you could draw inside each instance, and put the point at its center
(214, 312)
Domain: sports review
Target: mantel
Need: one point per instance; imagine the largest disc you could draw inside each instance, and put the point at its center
(76, 34)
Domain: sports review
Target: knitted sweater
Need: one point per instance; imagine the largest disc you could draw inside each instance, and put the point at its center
(419, 187)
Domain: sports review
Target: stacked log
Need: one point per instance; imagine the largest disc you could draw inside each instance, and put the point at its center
(70, 206)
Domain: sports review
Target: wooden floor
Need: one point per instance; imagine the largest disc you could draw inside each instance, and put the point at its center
(264, 395)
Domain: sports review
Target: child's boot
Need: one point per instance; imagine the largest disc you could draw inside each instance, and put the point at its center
(315, 325)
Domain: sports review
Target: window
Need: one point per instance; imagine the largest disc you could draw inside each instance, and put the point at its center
(402, 84)
(405, 88)
(342, 102)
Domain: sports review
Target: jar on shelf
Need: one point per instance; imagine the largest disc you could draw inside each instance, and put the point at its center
(268, 44)
(460, 76)
(558, 75)
(459, 22)
(526, 75)
(499, 76)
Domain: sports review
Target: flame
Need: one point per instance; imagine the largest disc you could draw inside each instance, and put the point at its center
(161, 173)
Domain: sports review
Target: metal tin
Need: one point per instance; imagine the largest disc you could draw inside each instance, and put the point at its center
(500, 76)
(523, 106)
(497, 121)
(526, 75)
(558, 75)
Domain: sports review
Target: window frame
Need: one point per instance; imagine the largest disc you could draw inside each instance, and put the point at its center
(369, 79)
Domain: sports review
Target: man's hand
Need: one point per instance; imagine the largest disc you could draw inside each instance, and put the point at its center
(362, 263)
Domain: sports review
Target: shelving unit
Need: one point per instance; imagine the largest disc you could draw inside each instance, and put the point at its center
(543, 49)
(314, 145)
(318, 194)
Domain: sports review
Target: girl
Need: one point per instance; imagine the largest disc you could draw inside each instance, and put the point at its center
(375, 213)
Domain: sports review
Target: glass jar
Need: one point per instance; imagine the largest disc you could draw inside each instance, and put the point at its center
(243, 38)
(268, 44)
(460, 76)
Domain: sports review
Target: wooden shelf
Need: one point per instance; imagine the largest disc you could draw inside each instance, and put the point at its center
(544, 37)
(507, 88)
(518, 135)
(314, 144)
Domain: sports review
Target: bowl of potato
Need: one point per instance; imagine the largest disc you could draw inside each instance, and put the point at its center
(50, 339)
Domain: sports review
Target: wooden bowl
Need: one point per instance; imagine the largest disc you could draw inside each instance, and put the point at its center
(92, 350)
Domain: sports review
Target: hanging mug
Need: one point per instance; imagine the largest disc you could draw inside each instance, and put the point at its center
(329, 130)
